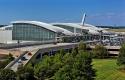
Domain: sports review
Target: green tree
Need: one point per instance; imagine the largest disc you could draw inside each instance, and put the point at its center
(62, 52)
(65, 66)
(45, 68)
(74, 51)
(100, 52)
(79, 68)
(4, 63)
(49, 65)
(25, 73)
(82, 46)
(6, 74)
(10, 57)
(121, 56)
(84, 66)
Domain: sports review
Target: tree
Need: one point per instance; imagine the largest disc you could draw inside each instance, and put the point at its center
(82, 46)
(25, 73)
(84, 66)
(64, 73)
(121, 56)
(10, 57)
(79, 68)
(47, 67)
(66, 66)
(7, 74)
(74, 51)
(4, 63)
(62, 52)
(100, 51)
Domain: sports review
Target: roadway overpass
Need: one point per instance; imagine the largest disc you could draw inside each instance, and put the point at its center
(36, 52)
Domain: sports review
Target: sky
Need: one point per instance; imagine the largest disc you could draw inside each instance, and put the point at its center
(99, 12)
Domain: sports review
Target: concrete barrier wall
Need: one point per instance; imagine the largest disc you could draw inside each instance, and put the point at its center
(16, 45)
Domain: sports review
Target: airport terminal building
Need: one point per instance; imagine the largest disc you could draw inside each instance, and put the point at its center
(44, 32)
(37, 31)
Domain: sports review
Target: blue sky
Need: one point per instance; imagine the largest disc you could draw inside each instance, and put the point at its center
(99, 12)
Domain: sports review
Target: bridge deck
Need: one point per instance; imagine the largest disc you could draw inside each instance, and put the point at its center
(47, 47)
(34, 49)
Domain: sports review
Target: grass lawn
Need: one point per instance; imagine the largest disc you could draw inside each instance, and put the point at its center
(116, 30)
(107, 69)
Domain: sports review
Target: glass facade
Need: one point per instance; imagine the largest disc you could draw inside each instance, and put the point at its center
(78, 30)
(30, 32)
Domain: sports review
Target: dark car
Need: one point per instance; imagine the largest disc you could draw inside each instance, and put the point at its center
(23, 58)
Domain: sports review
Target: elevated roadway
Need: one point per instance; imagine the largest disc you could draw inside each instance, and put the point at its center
(36, 50)
(32, 52)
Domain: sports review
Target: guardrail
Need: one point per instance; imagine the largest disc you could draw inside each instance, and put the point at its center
(33, 53)
(16, 45)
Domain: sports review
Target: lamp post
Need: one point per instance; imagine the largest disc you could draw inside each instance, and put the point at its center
(18, 42)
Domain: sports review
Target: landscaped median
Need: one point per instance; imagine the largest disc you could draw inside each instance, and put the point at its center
(107, 69)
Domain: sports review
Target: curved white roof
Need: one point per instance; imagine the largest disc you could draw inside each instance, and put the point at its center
(41, 24)
(89, 27)
(69, 24)
(4, 28)
(47, 26)
(92, 29)
(77, 25)
(66, 32)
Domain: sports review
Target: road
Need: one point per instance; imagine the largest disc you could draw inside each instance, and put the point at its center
(33, 50)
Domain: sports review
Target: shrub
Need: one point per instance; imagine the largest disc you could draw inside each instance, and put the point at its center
(6, 74)
(82, 46)
(100, 52)
(121, 56)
